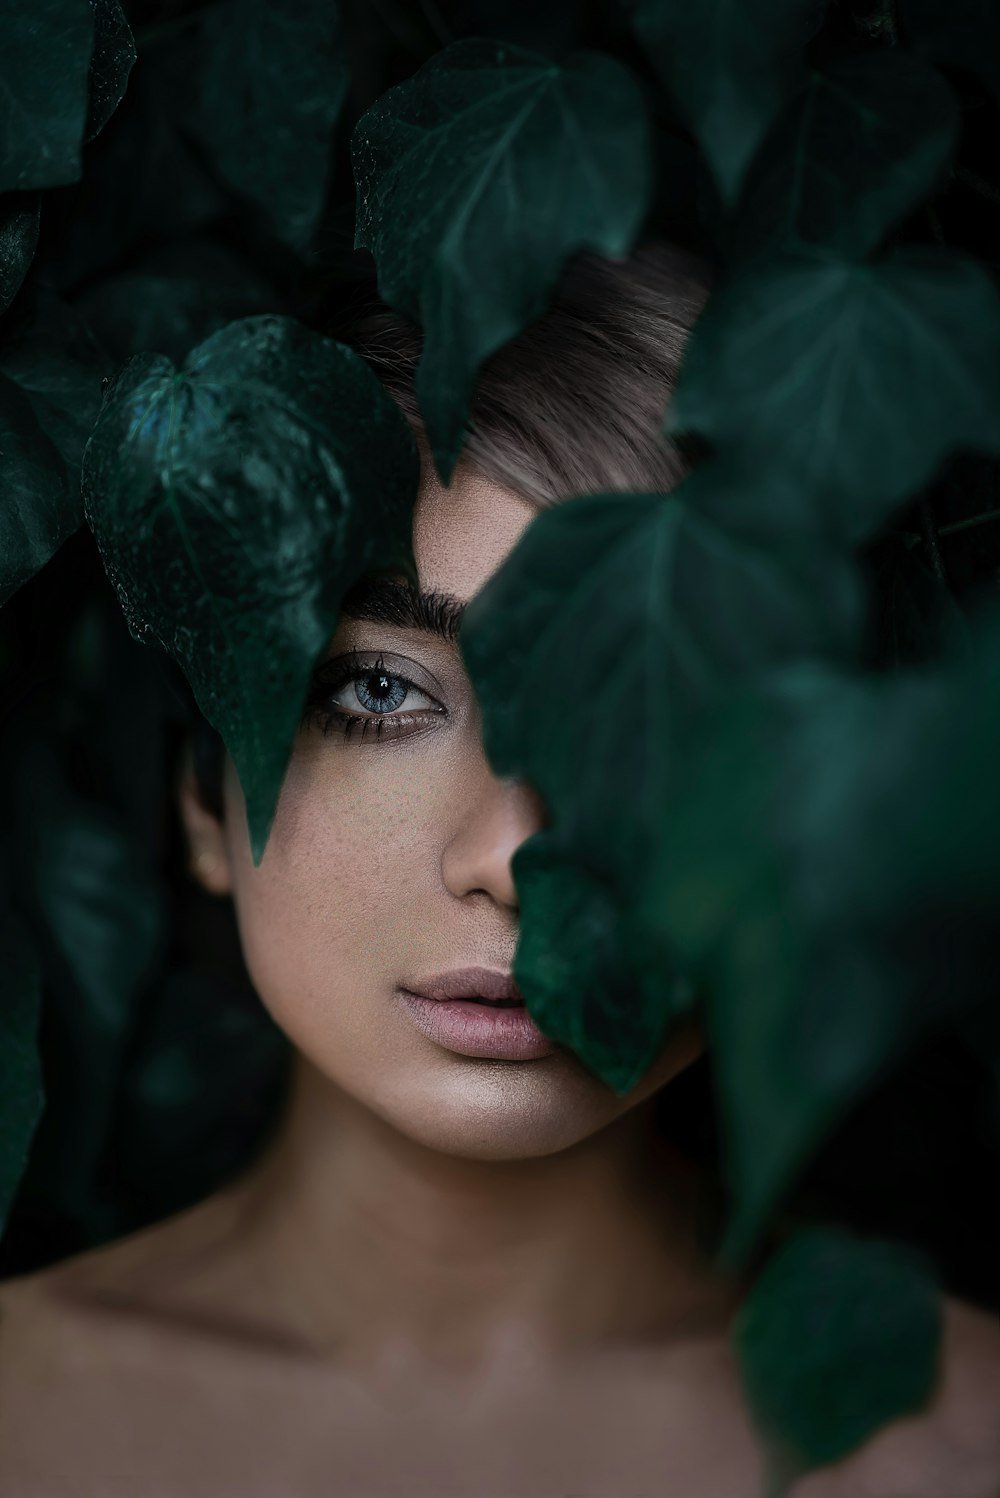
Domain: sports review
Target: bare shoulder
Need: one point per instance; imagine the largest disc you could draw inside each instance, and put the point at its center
(951, 1449)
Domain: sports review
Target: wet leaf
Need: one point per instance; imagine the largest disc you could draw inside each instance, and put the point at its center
(234, 502)
(113, 58)
(20, 215)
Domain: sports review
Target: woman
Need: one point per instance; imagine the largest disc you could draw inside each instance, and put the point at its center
(462, 1265)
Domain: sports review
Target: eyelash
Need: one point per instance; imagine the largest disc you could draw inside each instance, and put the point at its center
(327, 681)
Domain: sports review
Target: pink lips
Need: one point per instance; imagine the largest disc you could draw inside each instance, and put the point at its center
(444, 1009)
(467, 983)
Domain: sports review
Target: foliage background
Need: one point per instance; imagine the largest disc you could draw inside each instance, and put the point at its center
(161, 1072)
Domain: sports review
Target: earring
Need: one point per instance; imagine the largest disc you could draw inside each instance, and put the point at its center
(204, 861)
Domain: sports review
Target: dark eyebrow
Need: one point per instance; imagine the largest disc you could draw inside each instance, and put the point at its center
(383, 600)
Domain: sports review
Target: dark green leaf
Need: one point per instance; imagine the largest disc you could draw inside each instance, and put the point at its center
(112, 61)
(274, 80)
(648, 595)
(836, 894)
(853, 381)
(728, 66)
(180, 295)
(957, 33)
(839, 1336)
(98, 907)
(43, 91)
(866, 140)
(234, 502)
(22, 1096)
(20, 215)
(477, 179)
(50, 392)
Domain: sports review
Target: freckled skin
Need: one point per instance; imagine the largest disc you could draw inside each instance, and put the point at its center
(388, 861)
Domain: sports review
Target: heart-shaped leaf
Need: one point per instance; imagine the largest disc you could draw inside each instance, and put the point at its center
(274, 77)
(646, 600)
(858, 147)
(838, 1336)
(44, 67)
(855, 381)
(728, 66)
(477, 179)
(836, 895)
(234, 502)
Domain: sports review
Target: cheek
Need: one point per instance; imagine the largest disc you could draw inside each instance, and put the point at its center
(330, 918)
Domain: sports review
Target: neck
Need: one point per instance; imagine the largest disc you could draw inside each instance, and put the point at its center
(370, 1245)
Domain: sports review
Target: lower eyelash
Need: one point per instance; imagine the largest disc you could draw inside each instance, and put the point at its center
(335, 720)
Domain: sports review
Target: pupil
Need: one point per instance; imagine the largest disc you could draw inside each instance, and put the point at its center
(382, 690)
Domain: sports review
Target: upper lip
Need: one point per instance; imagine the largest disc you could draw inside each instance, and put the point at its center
(468, 983)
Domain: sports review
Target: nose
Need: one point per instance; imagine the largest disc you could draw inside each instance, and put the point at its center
(496, 816)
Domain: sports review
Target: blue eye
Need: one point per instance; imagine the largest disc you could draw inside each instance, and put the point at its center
(380, 691)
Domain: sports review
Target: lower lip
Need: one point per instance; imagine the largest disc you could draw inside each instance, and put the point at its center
(472, 1029)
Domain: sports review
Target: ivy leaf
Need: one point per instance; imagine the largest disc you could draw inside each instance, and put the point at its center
(22, 1096)
(273, 84)
(234, 501)
(177, 296)
(43, 91)
(50, 392)
(650, 596)
(728, 66)
(840, 1335)
(854, 381)
(956, 33)
(834, 894)
(20, 216)
(866, 140)
(477, 179)
(113, 58)
(98, 908)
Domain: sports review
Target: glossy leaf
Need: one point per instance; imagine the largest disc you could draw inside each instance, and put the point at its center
(112, 61)
(44, 67)
(838, 1336)
(859, 146)
(22, 1096)
(20, 216)
(50, 392)
(477, 179)
(234, 502)
(728, 66)
(836, 894)
(648, 598)
(274, 77)
(854, 381)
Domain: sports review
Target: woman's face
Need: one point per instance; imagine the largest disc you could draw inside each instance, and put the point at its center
(389, 860)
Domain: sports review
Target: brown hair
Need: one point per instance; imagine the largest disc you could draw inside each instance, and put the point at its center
(573, 405)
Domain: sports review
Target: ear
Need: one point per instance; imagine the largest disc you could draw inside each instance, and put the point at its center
(209, 863)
